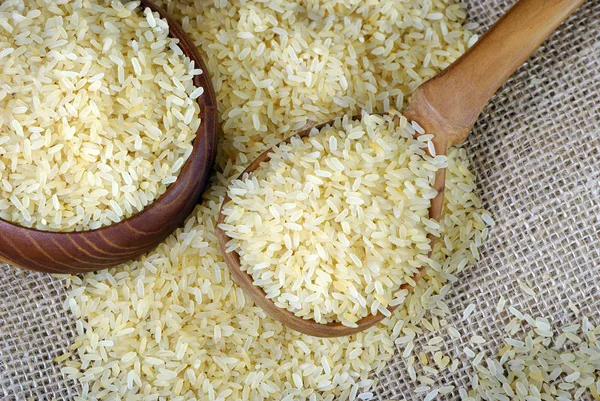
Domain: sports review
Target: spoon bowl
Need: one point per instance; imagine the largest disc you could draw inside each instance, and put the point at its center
(310, 326)
(77, 252)
(446, 106)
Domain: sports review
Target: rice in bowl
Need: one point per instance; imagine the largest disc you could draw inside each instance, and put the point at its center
(334, 225)
(98, 112)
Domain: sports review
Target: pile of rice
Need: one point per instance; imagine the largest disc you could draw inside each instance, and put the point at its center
(97, 112)
(173, 324)
(333, 225)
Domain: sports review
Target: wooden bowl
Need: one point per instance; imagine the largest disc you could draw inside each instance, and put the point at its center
(76, 252)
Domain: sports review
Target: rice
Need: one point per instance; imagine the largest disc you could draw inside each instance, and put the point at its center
(540, 366)
(477, 340)
(91, 105)
(431, 395)
(526, 289)
(334, 241)
(501, 303)
(188, 291)
(286, 52)
(468, 311)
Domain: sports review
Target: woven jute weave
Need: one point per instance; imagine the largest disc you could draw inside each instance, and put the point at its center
(536, 154)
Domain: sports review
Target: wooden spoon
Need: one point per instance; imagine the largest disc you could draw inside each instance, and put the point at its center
(446, 105)
(76, 252)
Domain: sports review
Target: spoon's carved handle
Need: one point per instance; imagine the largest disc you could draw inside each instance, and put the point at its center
(454, 98)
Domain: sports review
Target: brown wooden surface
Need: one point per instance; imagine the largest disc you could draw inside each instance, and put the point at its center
(109, 246)
(446, 105)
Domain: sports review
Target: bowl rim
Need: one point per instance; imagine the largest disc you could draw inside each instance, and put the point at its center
(208, 109)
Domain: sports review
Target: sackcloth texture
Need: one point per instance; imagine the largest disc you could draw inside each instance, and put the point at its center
(536, 153)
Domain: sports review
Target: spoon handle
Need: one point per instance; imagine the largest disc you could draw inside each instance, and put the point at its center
(455, 97)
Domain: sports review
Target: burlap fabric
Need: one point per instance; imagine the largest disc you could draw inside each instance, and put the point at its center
(536, 154)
